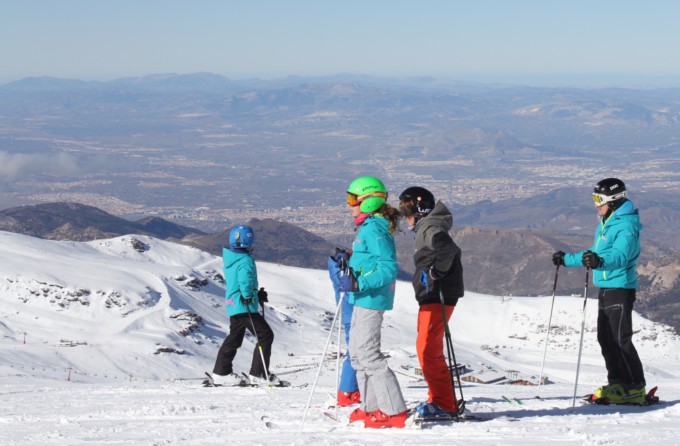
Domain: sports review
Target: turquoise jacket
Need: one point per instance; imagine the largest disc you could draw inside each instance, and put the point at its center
(374, 261)
(240, 276)
(617, 242)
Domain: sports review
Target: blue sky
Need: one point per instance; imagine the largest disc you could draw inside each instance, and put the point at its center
(526, 41)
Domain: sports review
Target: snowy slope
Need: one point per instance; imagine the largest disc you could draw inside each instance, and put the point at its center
(107, 342)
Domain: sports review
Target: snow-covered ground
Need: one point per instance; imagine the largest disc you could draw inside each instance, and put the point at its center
(102, 343)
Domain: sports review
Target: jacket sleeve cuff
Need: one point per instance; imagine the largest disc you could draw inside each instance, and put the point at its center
(573, 259)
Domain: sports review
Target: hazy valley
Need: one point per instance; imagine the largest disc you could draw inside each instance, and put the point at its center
(514, 164)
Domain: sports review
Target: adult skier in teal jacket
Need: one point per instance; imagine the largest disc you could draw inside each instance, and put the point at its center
(613, 260)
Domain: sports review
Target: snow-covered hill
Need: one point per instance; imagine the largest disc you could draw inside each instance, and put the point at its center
(107, 342)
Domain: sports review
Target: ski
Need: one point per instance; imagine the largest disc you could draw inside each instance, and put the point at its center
(467, 418)
(210, 382)
(266, 384)
(650, 399)
(342, 419)
(332, 416)
(512, 400)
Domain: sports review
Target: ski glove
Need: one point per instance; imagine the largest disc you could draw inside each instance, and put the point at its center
(435, 274)
(558, 258)
(347, 282)
(591, 260)
(428, 278)
(262, 295)
(341, 257)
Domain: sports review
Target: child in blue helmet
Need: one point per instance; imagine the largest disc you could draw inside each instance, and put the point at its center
(242, 303)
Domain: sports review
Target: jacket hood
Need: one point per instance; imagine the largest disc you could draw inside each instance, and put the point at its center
(440, 216)
(626, 208)
(626, 212)
(230, 257)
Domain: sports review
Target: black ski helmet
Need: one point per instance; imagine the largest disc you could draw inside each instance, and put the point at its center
(611, 191)
(416, 201)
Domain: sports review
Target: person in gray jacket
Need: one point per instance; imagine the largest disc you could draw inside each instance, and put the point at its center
(438, 275)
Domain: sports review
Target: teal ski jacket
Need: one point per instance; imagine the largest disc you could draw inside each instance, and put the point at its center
(374, 262)
(617, 243)
(240, 276)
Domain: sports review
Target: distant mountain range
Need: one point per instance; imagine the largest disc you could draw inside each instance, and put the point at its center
(78, 222)
(276, 241)
(495, 261)
(204, 81)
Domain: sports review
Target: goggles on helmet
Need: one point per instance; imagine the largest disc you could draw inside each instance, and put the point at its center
(601, 200)
(355, 200)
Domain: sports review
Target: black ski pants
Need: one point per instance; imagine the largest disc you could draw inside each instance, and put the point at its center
(238, 325)
(615, 335)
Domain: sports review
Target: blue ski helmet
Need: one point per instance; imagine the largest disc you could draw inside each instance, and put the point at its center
(242, 237)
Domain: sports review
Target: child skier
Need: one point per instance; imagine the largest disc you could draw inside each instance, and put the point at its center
(242, 300)
(371, 283)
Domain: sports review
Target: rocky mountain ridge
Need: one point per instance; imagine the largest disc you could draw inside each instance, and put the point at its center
(495, 261)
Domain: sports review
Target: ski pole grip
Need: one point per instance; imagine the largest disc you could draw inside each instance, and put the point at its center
(343, 265)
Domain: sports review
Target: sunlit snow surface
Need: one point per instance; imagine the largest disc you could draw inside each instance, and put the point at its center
(101, 343)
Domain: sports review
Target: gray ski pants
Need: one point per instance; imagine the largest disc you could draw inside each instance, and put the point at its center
(378, 384)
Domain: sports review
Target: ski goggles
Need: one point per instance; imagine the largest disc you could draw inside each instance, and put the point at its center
(355, 200)
(601, 200)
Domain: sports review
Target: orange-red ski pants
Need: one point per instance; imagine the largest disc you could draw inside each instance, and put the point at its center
(430, 348)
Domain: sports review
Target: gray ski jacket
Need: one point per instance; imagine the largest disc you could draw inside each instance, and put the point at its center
(434, 247)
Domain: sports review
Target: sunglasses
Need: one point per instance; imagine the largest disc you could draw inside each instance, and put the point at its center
(355, 200)
(601, 200)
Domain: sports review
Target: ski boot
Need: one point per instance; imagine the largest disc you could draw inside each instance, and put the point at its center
(431, 411)
(379, 420)
(231, 379)
(348, 398)
(618, 394)
(358, 414)
(274, 380)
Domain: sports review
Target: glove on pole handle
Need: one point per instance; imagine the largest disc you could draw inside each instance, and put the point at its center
(262, 303)
(342, 265)
(318, 372)
(580, 347)
(547, 332)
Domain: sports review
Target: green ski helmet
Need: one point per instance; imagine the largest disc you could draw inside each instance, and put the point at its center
(370, 192)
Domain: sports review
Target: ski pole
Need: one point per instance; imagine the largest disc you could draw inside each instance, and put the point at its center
(583, 329)
(318, 372)
(259, 347)
(450, 353)
(262, 305)
(342, 265)
(337, 365)
(547, 333)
